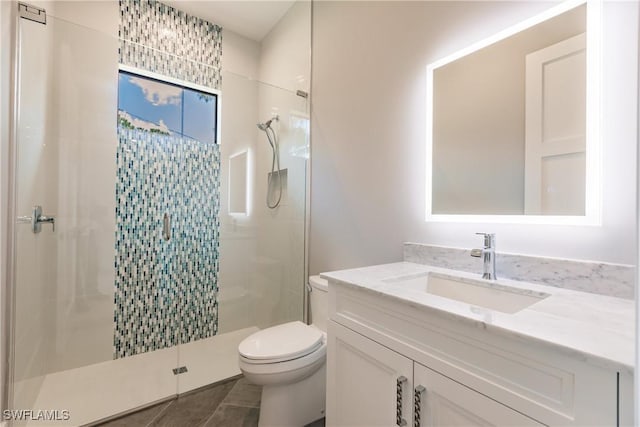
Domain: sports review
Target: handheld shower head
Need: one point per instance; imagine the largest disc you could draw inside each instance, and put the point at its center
(266, 125)
(275, 159)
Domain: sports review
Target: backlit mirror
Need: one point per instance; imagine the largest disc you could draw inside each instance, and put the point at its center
(509, 136)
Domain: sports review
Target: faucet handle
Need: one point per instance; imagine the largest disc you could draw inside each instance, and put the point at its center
(476, 253)
(489, 240)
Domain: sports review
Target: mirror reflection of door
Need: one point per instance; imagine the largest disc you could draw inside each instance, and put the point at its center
(555, 149)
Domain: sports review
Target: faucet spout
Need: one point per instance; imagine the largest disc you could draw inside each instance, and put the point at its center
(488, 255)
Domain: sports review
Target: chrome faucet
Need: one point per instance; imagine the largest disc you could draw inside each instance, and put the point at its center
(488, 254)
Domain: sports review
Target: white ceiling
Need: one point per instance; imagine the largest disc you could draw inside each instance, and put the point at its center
(250, 18)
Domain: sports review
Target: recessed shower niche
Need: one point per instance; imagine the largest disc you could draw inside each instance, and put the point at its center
(238, 181)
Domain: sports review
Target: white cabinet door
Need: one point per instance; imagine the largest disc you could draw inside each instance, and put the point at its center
(367, 384)
(443, 402)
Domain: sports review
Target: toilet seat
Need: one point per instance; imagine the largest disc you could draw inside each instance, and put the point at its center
(289, 369)
(282, 343)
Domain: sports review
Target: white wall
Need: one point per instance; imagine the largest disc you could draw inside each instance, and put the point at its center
(285, 59)
(240, 55)
(368, 178)
(101, 15)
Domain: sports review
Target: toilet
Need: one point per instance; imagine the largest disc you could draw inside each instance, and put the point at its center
(289, 362)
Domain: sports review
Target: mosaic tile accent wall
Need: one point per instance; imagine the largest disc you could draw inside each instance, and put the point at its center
(164, 40)
(166, 291)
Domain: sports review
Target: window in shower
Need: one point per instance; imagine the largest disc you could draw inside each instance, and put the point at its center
(166, 108)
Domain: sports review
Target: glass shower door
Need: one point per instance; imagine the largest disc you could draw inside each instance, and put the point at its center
(64, 355)
(262, 250)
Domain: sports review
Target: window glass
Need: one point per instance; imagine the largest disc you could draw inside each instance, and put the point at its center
(165, 108)
(149, 104)
(199, 116)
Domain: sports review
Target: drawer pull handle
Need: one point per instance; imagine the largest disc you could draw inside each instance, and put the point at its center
(417, 404)
(399, 385)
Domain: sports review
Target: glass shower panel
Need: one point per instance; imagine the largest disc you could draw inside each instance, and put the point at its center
(260, 281)
(238, 233)
(262, 252)
(64, 355)
(278, 273)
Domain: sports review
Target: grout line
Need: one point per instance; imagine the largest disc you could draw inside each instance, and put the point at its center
(159, 413)
(222, 403)
(242, 405)
(132, 411)
(218, 406)
(226, 395)
(225, 404)
(208, 386)
(211, 416)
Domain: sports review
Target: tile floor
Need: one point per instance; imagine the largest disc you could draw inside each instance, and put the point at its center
(228, 404)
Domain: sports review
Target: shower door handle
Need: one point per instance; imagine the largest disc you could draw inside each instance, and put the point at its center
(166, 227)
(37, 219)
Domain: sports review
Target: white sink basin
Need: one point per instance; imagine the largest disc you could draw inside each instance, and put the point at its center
(493, 296)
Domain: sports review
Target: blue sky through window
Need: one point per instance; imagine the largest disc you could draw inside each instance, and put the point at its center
(198, 109)
(165, 108)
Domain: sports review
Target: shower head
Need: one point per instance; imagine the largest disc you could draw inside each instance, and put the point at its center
(266, 125)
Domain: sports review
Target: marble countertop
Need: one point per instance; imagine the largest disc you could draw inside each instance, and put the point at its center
(596, 328)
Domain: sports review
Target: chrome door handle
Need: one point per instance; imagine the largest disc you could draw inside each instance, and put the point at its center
(166, 227)
(417, 405)
(399, 384)
(37, 219)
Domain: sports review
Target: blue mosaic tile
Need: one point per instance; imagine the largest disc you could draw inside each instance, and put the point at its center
(165, 291)
(164, 40)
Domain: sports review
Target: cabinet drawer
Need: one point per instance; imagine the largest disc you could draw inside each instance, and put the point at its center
(440, 401)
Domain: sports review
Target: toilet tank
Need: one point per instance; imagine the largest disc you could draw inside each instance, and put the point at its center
(319, 302)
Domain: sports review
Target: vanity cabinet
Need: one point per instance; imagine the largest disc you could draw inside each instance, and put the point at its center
(383, 350)
(371, 385)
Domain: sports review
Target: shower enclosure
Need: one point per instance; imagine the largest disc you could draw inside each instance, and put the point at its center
(133, 278)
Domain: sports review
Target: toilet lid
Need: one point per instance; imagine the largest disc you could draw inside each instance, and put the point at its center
(283, 342)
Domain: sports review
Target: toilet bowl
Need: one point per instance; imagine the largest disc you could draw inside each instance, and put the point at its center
(289, 362)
